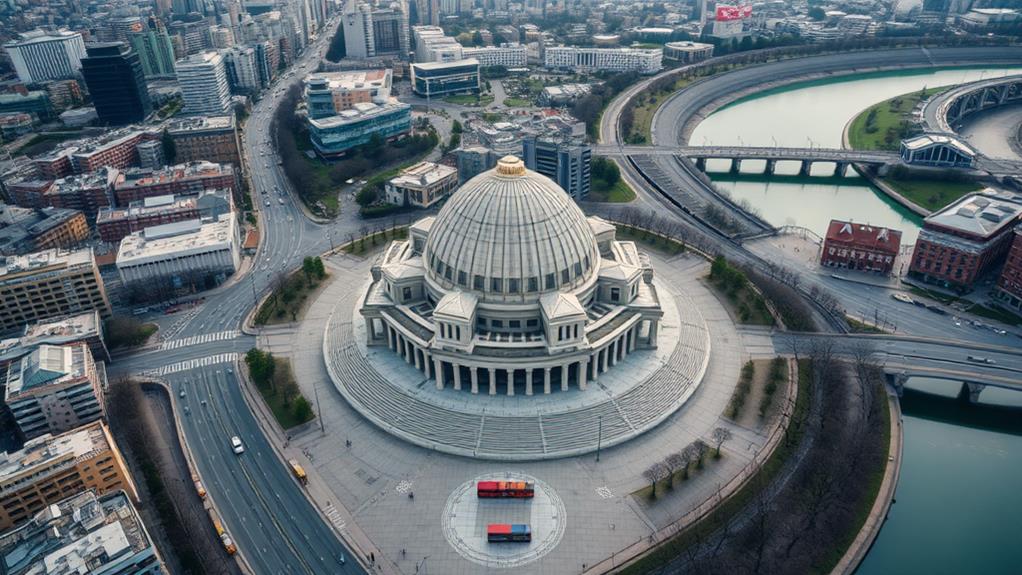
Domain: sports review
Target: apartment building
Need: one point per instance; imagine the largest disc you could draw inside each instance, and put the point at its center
(179, 180)
(206, 139)
(24, 230)
(48, 284)
(115, 223)
(644, 61)
(506, 55)
(38, 56)
(421, 185)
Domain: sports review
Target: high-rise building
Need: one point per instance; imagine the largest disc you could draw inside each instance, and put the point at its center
(116, 82)
(206, 138)
(203, 80)
(52, 467)
(49, 284)
(330, 93)
(243, 70)
(154, 50)
(118, 29)
(564, 161)
(39, 56)
(357, 24)
(372, 31)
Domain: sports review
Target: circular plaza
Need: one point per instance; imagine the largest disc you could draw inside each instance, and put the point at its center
(512, 327)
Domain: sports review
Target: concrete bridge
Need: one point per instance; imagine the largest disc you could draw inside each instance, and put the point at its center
(946, 111)
(736, 154)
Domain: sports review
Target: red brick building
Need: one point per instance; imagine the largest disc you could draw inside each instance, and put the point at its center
(115, 223)
(1009, 286)
(966, 239)
(861, 247)
(116, 150)
(180, 180)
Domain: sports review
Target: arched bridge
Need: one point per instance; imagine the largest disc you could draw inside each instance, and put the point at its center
(945, 111)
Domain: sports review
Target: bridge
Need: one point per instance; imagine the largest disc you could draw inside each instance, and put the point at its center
(946, 111)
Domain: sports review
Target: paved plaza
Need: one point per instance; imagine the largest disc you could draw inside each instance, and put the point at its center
(395, 493)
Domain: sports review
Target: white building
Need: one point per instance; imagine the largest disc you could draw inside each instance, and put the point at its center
(512, 288)
(507, 55)
(644, 61)
(39, 56)
(687, 52)
(421, 185)
(204, 86)
(179, 249)
(432, 45)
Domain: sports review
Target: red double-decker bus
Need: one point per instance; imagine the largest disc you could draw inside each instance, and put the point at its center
(507, 533)
(516, 489)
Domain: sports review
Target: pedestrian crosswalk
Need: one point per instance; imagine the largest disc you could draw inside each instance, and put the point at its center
(335, 517)
(193, 364)
(197, 339)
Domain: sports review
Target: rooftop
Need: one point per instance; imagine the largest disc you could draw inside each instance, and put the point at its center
(352, 80)
(878, 238)
(445, 65)
(47, 259)
(423, 174)
(176, 238)
(980, 214)
(139, 177)
(18, 468)
(36, 36)
(153, 205)
(44, 366)
(925, 140)
(361, 111)
(201, 123)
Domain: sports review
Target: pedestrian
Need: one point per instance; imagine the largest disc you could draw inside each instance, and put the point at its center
(372, 558)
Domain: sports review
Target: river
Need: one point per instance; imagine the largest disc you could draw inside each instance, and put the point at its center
(814, 113)
(958, 500)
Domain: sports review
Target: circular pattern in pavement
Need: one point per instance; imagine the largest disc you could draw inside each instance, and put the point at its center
(466, 517)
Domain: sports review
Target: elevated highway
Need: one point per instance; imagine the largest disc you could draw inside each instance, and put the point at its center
(944, 112)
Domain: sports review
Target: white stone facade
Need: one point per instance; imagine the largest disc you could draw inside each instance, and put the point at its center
(204, 86)
(180, 248)
(510, 287)
(644, 61)
(507, 55)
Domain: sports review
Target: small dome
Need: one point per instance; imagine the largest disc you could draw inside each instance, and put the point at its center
(510, 234)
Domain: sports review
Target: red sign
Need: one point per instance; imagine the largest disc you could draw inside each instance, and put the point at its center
(726, 13)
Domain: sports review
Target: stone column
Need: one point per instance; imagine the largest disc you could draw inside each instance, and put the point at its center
(457, 376)
(564, 377)
(475, 379)
(493, 381)
(546, 380)
(427, 364)
(583, 371)
(439, 372)
(654, 328)
(603, 358)
(633, 338)
(594, 365)
(528, 381)
(409, 348)
(418, 358)
(510, 382)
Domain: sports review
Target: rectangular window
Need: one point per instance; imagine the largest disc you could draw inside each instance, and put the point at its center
(480, 321)
(512, 285)
(477, 283)
(615, 294)
(462, 278)
(496, 323)
(496, 285)
(406, 293)
(514, 323)
(578, 269)
(551, 281)
(565, 278)
(532, 323)
(533, 284)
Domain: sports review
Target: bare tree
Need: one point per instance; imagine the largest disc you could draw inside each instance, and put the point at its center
(720, 435)
(673, 462)
(654, 473)
(700, 450)
(689, 454)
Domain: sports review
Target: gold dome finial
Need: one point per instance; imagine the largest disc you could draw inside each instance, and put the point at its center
(510, 166)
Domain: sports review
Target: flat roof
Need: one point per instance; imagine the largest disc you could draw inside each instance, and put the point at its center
(981, 214)
(201, 123)
(45, 365)
(423, 174)
(353, 80)
(45, 259)
(446, 65)
(181, 238)
(44, 450)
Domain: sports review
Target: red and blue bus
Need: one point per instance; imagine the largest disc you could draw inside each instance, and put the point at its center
(516, 489)
(507, 533)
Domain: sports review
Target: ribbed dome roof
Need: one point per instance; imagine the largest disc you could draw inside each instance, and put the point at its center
(510, 234)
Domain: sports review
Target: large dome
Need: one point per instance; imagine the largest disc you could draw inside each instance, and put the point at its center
(510, 234)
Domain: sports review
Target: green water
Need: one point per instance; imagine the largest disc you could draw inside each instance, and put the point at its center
(815, 114)
(958, 505)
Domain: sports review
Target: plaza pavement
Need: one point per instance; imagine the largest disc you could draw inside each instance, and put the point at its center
(367, 483)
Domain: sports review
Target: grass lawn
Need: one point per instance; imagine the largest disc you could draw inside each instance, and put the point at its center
(888, 117)
(656, 242)
(931, 194)
(618, 193)
(283, 413)
(935, 295)
(288, 302)
(517, 103)
(862, 327)
(644, 112)
(996, 313)
(745, 304)
(367, 244)
(711, 522)
(469, 100)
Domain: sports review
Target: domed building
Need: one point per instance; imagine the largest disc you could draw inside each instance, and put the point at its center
(512, 289)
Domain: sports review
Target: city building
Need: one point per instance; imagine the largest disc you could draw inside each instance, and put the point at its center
(687, 52)
(371, 31)
(55, 388)
(966, 239)
(34, 102)
(85, 327)
(187, 248)
(566, 161)
(472, 161)
(937, 150)
(82, 534)
(432, 79)
(433, 45)
(642, 60)
(51, 468)
(38, 56)
(48, 284)
(116, 83)
(981, 18)
(335, 135)
(178, 180)
(64, 93)
(206, 139)
(1009, 284)
(511, 289)
(150, 154)
(243, 73)
(115, 223)
(506, 55)
(563, 95)
(421, 185)
(329, 93)
(79, 117)
(860, 247)
(15, 124)
(24, 230)
(87, 192)
(204, 86)
(155, 51)
(114, 149)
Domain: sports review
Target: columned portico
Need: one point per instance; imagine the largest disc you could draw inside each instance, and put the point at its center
(493, 380)
(439, 371)
(528, 381)
(457, 376)
(475, 380)
(546, 380)
(583, 370)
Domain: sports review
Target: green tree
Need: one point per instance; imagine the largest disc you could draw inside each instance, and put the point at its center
(366, 196)
(456, 127)
(477, 38)
(308, 267)
(317, 264)
(261, 365)
(301, 410)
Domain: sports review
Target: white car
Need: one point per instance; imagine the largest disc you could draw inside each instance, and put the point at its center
(901, 297)
(236, 445)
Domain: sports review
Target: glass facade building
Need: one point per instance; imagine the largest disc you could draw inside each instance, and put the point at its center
(431, 79)
(336, 135)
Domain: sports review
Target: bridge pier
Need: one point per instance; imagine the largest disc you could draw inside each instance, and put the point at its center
(840, 169)
(736, 165)
(970, 391)
(701, 164)
(805, 168)
(771, 165)
(897, 381)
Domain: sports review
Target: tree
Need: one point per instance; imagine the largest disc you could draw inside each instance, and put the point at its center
(654, 473)
(606, 170)
(477, 38)
(301, 410)
(261, 365)
(688, 455)
(674, 462)
(318, 268)
(456, 127)
(374, 146)
(337, 50)
(720, 435)
(308, 267)
(700, 449)
(366, 196)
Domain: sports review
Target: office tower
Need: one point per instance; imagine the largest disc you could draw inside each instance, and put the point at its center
(116, 82)
(203, 80)
(154, 49)
(39, 56)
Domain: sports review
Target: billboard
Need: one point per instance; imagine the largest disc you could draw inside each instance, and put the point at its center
(728, 13)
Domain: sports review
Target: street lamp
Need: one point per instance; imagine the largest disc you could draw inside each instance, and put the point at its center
(599, 438)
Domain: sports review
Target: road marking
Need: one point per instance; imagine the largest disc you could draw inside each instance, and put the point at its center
(335, 517)
(403, 487)
(199, 339)
(604, 492)
(193, 364)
